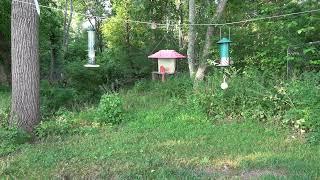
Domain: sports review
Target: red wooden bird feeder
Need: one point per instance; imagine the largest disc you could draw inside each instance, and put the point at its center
(166, 62)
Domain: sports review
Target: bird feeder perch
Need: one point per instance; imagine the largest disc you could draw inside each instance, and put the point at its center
(166, 61)
(224, 44)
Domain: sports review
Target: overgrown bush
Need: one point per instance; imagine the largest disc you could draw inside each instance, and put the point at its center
(175, 87)
(11, 138)
(305, 112)
(314, 136)
(54, 97)
(249, 96)
(110, 109)
(91, 83)
(4, 115)
(4, 106)
(258, 96)
(172, 87)
(67, 123)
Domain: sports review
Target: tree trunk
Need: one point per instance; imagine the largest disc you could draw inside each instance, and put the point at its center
(25, 110)
(69, 24)
(66, 27)
(128, 48)
(208, 42)
(65, 22)
(192, 38)
(180, 22)
(99, 35)
(53, 53)
(201, 72)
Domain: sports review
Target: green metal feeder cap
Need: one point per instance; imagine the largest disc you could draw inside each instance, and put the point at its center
(224, 40)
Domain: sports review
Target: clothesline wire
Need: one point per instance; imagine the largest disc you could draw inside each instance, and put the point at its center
(186, 24)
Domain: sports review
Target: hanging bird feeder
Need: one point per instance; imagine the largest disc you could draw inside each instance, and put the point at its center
(224, 44)
(166, 62)
(91, 50)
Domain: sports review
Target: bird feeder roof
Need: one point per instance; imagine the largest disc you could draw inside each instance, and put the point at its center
(166, 54)
(224, 40)
(90, 28)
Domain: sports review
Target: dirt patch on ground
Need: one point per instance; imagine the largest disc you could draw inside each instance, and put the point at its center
(227, 171)
(255, 174)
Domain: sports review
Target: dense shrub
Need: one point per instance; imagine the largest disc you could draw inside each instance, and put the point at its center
(67, 123)
(110, 109)
(252, 95)
(91, 83)
(249, 95)
(4, 106)
(305, 96)
(314, 136)
(175, 87)
(11, 138)
(172, 87)
(55, 97)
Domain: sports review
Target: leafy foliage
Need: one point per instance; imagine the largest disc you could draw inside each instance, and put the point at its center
(66, 123)
(163, 139)
(53, 98)
(4, 106)
(262, 97)
(11, 139)
(173, 128)
(110, 109)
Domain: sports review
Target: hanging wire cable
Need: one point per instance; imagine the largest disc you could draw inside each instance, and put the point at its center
(186, 24)
(43, 6)
(158, 44)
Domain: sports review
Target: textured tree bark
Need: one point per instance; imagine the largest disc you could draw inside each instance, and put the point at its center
(25, 110)
(180, 22)
(128, 48)
(68, 26)
(208, 42)
(100, 43)
(65, 19)
(52, 73)
(192, 38)
(201, 72)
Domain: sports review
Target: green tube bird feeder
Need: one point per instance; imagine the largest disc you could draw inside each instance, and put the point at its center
(224, 44)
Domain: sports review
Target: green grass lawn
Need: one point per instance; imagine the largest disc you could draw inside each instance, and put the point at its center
(163, 140)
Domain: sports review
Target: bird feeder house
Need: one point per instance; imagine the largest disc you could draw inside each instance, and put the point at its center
(224, 44)
(91, 50)
(167, 61)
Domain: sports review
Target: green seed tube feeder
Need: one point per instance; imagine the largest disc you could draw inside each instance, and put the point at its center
(224, 44)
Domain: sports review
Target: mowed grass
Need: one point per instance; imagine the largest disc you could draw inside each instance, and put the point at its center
(161, 139)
